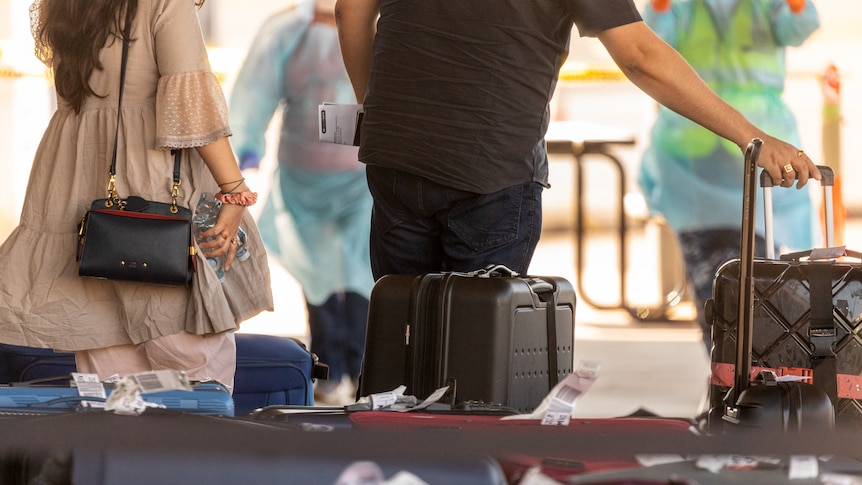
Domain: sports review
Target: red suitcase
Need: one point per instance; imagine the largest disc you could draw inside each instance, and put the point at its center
(560, 466)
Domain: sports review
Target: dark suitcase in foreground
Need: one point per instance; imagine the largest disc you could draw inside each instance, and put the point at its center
(167, 448)
(769, 315)
(488, 335)
(273, 370)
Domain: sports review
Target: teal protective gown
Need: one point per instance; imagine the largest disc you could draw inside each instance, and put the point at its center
(694, 177)
(316, 219)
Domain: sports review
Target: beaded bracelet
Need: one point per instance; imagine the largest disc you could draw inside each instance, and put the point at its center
(246, 198)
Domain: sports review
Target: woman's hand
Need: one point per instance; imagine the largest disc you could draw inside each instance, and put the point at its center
(224, 234)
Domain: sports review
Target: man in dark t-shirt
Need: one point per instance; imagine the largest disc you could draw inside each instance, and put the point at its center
(456, 97)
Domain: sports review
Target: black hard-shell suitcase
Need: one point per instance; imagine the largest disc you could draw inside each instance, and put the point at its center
(761, 324)
(485, 334)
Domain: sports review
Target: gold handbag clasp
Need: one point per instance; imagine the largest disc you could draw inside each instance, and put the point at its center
(113, 198)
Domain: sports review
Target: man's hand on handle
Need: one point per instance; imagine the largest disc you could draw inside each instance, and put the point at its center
(786, 163)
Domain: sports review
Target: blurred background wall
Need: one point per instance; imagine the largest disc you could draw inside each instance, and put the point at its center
(590, 92)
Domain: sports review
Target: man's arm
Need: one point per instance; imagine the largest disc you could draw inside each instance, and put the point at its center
(662, 73)
(356, 21)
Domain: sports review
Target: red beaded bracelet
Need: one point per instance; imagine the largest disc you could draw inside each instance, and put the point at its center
(246, 198)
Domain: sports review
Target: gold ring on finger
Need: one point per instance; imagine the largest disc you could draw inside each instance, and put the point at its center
(799, 153)
(788, 168)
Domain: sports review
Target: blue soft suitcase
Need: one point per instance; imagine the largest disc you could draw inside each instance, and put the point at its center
(23, 364)
(270, 370)
(273, 370)
(207, 398)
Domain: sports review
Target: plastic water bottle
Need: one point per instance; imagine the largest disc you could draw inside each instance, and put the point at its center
(206, 214)
(242, 252)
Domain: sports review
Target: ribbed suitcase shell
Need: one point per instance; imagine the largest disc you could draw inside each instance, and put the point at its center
(487, 335)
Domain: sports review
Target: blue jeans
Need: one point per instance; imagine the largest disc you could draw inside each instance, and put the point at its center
(418, 226)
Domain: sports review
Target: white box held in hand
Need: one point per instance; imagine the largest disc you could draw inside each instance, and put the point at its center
(339, 123)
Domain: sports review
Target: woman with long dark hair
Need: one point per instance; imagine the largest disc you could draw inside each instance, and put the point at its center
(171, 100)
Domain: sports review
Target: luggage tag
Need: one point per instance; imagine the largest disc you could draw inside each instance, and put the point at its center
(803, 467)
(89, 385)
(433, 398)
(395, 400)
(126, 397)
(557, 407)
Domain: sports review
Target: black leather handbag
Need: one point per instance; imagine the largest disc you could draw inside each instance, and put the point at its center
(135, 239)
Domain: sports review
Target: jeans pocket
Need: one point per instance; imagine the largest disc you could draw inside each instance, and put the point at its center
(387, 209)
(491, 220)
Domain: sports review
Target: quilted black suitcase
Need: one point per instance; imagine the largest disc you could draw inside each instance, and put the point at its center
(488, 335)
(803, 320)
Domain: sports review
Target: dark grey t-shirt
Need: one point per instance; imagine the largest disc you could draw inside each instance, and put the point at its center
(459, 89)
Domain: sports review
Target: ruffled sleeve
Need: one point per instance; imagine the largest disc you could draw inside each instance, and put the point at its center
(190, 110)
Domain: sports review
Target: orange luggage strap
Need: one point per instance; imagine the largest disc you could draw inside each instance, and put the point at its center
(849, 386)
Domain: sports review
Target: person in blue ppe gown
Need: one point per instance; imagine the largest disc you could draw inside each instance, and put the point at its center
(316, 219)
(692, 176)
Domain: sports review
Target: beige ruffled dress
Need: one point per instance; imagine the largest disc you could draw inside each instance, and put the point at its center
(171, 100)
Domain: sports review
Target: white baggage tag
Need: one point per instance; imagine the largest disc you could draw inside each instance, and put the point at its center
(827, 253)
(89, 386)
(557, 407)
(126, 398)
(383, 400)
(566, 394)
(434, 397)
(161, 380)
(803, 467)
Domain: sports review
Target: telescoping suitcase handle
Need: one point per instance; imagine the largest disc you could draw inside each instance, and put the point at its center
(745, 317)
(827, 181)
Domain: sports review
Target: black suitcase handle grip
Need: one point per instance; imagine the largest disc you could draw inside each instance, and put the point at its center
(827, 181)
(827, 177)
(493, 270)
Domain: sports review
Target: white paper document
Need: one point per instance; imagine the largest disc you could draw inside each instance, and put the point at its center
(339, 123)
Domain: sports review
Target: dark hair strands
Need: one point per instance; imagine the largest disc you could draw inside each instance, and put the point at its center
(74, 32)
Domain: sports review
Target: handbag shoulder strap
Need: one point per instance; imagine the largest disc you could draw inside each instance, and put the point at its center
(112, 170)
